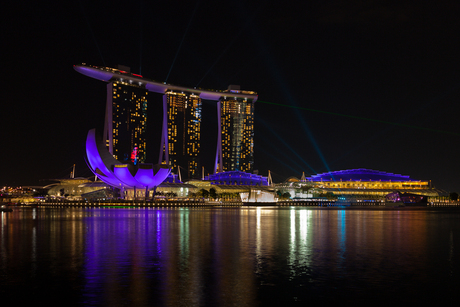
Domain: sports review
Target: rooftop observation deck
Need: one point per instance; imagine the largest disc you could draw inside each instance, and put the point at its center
(108, 74)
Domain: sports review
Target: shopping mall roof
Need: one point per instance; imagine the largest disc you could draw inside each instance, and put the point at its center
(360, 174)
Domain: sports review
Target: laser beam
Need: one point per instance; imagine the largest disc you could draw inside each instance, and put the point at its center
(359, 117)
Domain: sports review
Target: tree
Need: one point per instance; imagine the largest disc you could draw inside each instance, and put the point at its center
(331, 196)
(453, 196)
(306, 188)
(286, 195)
(204, 193)
(212, 193)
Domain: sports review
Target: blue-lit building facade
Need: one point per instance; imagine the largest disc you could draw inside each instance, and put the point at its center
(233, 182)
(237, 178)
(358, 183)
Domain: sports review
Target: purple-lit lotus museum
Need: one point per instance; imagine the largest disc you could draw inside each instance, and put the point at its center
(119, 175)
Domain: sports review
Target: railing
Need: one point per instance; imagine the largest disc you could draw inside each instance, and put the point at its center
(203, 203)
(365, 204)
(443, 204)
(156, 203)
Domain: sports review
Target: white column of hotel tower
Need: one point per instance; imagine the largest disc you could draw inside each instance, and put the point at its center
(108, 125)
(164, 154)
(218, 166)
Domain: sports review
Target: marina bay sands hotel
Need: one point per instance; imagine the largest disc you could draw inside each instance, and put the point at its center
(126, 121)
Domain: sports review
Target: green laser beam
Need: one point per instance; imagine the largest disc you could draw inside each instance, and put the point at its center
(361, 118)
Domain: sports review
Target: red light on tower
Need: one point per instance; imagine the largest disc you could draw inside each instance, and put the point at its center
(135, 155)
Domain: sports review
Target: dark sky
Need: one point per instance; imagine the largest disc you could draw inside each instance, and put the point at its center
(379, 81)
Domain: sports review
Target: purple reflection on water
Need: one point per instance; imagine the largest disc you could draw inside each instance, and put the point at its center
(342, 233)
(117, 251)
(158, 212)
(264, 256)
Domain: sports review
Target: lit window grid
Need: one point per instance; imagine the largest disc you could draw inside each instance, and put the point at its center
(237, 135)
(184, 128)
(131, 105)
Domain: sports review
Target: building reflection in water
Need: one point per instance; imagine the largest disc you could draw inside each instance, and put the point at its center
(300, 243)
(224, 256)
(166, 257)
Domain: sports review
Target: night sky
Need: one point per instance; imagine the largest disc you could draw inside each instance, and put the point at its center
(341, 84)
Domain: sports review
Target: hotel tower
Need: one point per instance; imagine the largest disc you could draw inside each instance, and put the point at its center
(235, 145)
(180, 139)
(126, 120)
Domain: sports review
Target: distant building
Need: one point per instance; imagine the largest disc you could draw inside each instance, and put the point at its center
(407, 198)
(356, 184)
(74, 188)
(233, 182)
(237, 178)
(365, 182)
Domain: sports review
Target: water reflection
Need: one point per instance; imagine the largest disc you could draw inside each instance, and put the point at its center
(228, 256)
(300, 242)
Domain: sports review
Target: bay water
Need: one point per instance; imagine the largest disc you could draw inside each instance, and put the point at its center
(249, 256)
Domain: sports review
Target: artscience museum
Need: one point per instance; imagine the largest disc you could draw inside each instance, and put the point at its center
(143, 176)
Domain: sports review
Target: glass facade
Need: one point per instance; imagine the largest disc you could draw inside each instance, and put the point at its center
(184, 130)
(129, 122)
(237, 134)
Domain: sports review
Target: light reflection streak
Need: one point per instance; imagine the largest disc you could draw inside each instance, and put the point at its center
(34, 250)
(184, 235)
(292, 225)
(258, 241)
(342, 233)
(292, 244)
(303, 225)
(300, 241)
(451, 253)
(305, 239)
(158, 234)
(224, 256)
(3, 254)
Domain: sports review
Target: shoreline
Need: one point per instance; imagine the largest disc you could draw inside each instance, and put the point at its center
(235, 204)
